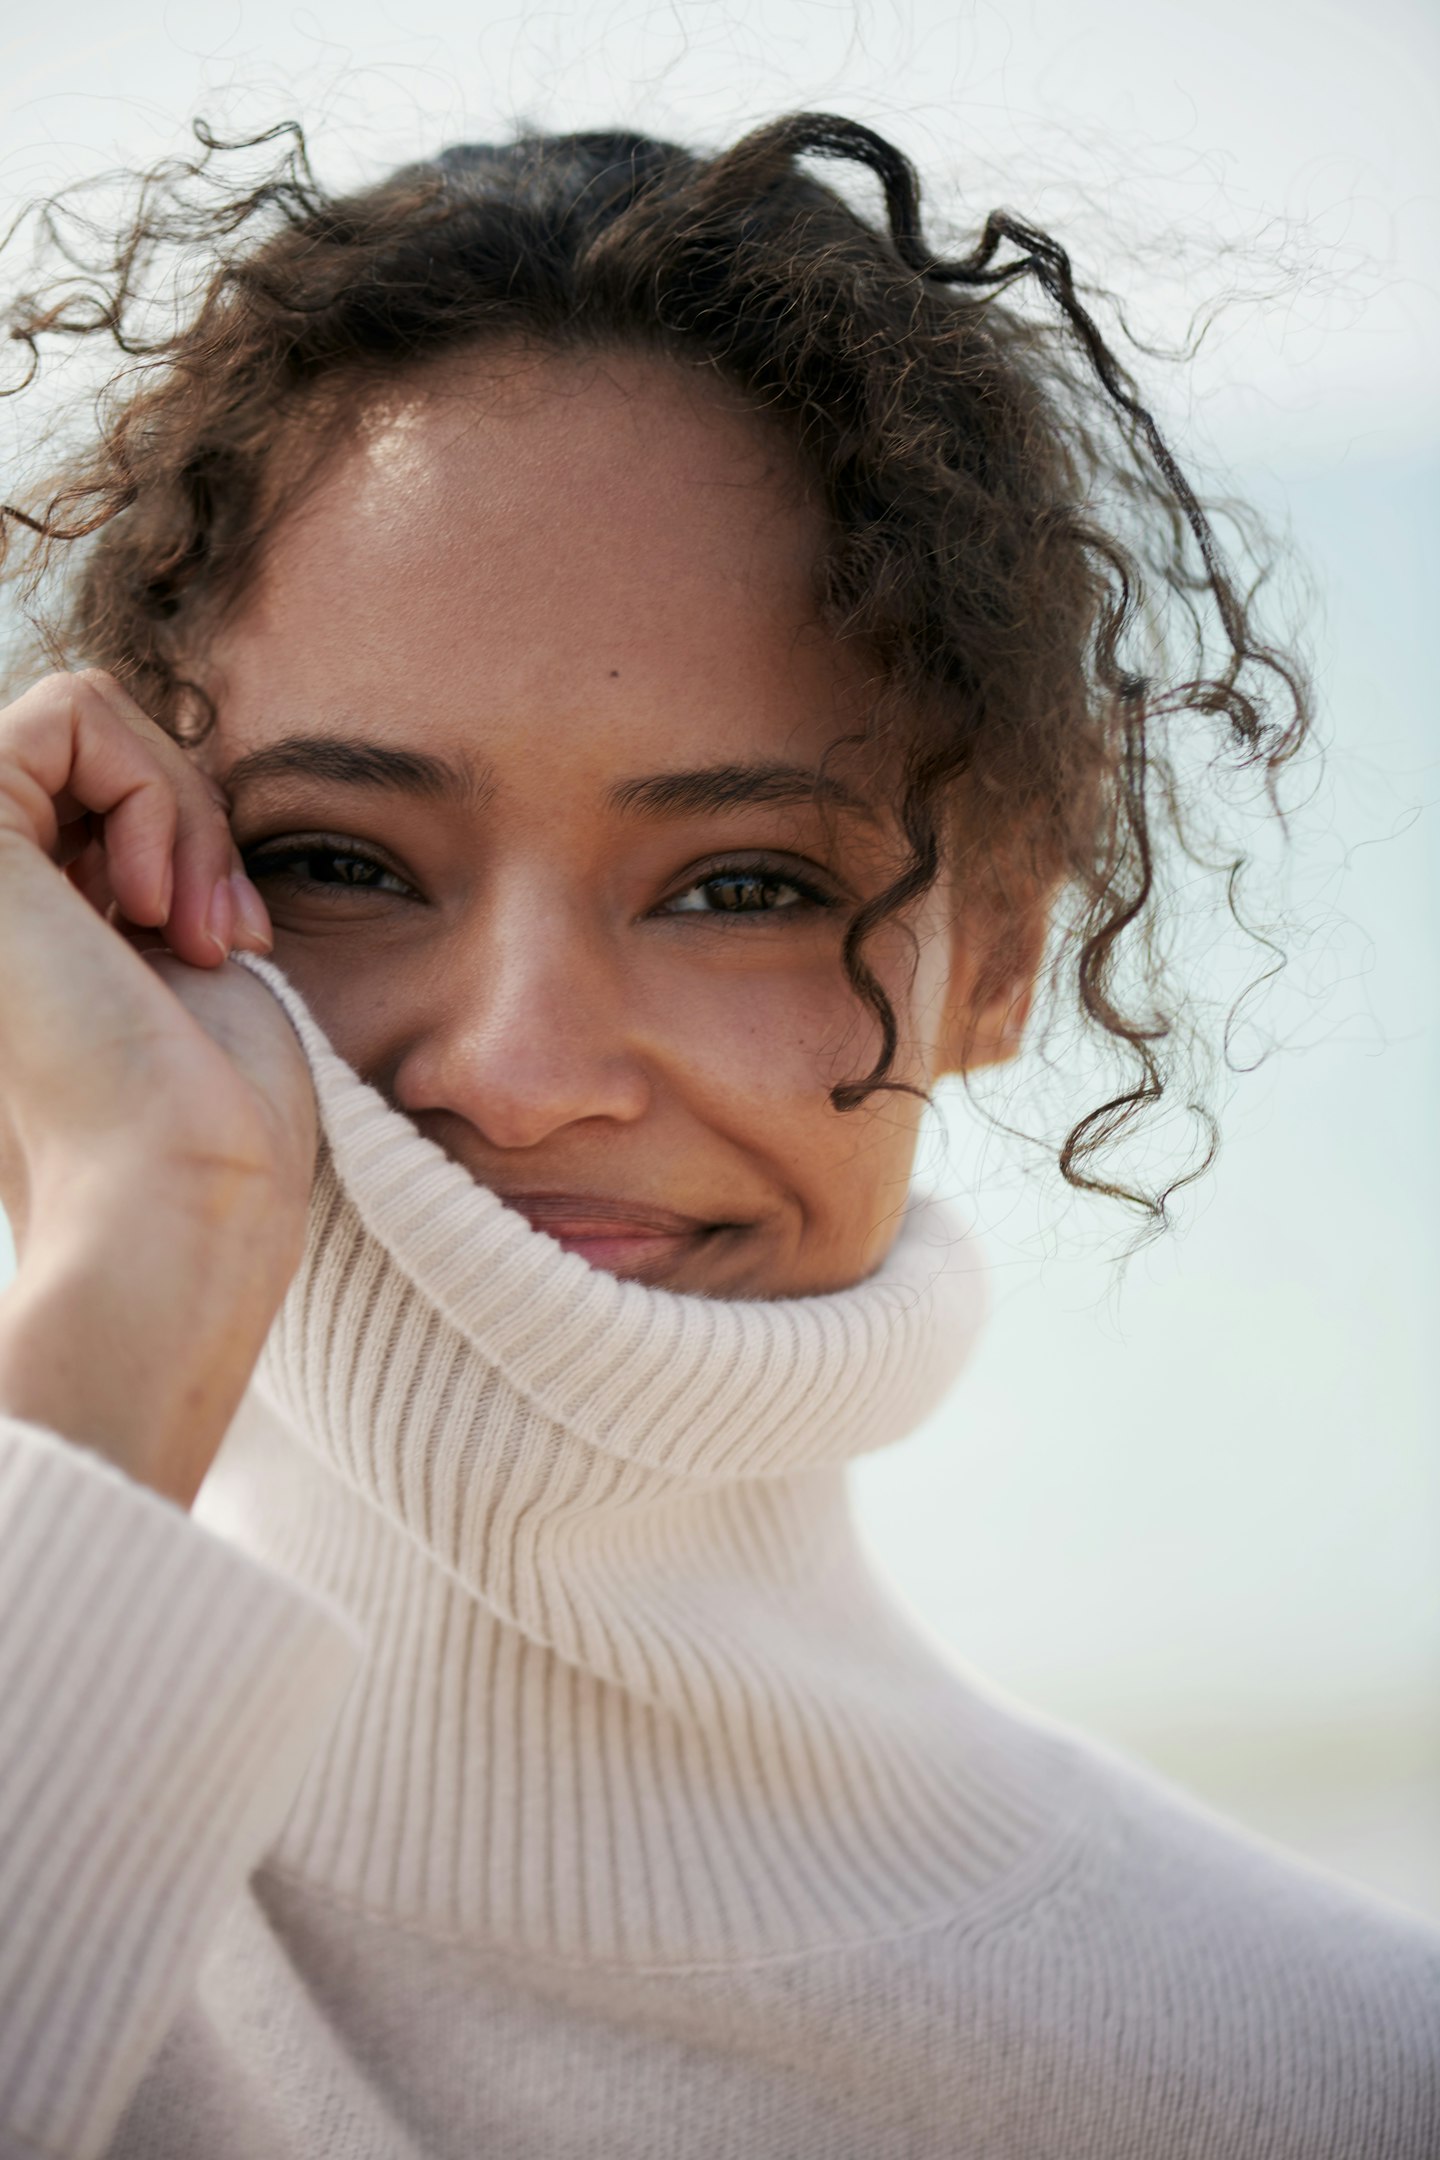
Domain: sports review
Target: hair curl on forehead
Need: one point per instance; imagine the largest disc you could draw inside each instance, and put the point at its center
(1012, 544)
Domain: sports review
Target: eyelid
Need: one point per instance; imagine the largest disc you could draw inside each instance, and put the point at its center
(819, 887)
(758, 862)
(299, 843)
(338, 843)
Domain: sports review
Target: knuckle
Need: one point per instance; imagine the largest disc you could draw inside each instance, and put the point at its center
(56, 684)
(109, 702)
(51, 697)
(89, 697)
(99, 691)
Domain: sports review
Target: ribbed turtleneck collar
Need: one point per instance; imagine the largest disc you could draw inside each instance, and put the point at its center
(631, 1691)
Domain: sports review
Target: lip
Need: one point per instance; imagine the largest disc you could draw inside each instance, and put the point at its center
(601, 1215)
(618, 1235)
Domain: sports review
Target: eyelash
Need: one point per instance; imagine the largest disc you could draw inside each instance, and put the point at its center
(277, 860)
(761, 872)
(273, 859)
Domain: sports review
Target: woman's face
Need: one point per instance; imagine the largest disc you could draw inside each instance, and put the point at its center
(522, 722)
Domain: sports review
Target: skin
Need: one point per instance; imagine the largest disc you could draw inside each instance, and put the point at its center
(518, 732)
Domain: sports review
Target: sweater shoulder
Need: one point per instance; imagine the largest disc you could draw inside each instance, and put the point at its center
(1211, 1979)
(1183, 1865)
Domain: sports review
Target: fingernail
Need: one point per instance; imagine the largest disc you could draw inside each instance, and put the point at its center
(252, 932)
(220, 921)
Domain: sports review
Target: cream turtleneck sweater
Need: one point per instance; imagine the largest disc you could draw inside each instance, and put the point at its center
(514, 1758)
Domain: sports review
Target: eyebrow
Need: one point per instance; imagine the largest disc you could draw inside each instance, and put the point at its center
(729, 787)
(347, 762)
(351, 762)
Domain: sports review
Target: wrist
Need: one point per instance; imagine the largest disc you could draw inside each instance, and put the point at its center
(134, 1321)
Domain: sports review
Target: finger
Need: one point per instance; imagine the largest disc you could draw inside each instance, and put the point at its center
(65, 755)
(214, 908)
(78, 748)
(196, 906)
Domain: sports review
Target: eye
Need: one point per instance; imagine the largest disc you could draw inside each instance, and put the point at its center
(314, 860)
(747, 890)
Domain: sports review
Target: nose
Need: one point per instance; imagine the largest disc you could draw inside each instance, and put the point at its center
(527, 1031)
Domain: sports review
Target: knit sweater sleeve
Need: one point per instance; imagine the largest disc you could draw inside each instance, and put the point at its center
(160, 1695)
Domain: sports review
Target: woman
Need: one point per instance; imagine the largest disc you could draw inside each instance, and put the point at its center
(625, 634)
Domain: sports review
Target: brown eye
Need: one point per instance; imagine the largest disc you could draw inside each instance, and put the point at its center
(315, 862)
(744, 895)
(747, 892)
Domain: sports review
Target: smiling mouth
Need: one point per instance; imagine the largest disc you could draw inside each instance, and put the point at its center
(619, 1236)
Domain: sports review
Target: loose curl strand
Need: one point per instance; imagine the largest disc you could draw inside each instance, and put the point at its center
(1013, 542)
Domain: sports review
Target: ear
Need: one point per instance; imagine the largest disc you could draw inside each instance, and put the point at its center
(997, 947)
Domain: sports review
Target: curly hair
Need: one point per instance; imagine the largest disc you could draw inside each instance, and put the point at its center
(962, 418)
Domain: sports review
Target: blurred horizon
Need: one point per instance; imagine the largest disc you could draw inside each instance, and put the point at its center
(1259, 1612)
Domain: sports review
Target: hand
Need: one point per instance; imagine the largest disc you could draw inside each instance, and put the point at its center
(157, 1127)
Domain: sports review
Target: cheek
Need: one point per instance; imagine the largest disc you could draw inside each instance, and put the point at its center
(772, 1034)
(753, 1056)
(369, 1002)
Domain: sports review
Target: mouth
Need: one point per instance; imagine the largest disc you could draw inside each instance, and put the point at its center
(621, 1237)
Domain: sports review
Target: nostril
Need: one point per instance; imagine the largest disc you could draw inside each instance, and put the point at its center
(514, 1101)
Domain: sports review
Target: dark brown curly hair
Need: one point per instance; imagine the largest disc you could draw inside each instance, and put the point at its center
(1013, 543)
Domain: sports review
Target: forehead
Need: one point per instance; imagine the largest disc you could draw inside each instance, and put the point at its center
(508, 533)
(509, 447)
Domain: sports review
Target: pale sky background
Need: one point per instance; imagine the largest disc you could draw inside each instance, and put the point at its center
(1197, 1511)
